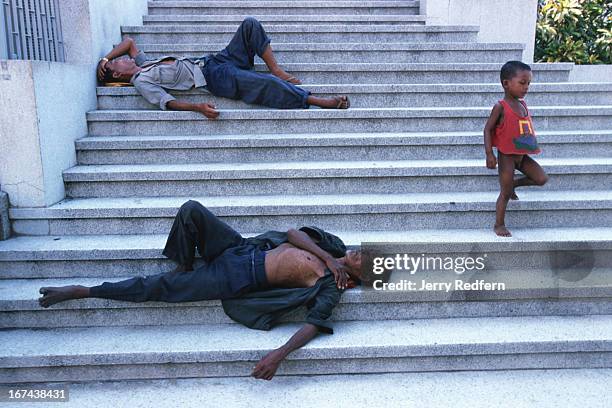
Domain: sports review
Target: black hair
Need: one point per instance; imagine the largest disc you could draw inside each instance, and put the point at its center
(108, 75)
(511, 69)
(362, 280)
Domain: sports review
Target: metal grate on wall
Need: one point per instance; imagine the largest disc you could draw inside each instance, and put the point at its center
(31, 30)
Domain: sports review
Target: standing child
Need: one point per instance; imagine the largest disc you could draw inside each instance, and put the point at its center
(510, 130)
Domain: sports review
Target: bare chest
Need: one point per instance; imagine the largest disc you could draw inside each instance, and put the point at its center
(293, 267)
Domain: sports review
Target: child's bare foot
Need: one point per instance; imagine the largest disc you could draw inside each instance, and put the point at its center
(502, 231)
(514, 196)
(53, 295)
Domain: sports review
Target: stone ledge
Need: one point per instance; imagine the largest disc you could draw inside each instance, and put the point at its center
(357, 47)
(322, 139)
(298, 28)
(299, 18)
(276, 205)
(590, 73)
(328, 169)
(552, 388)
(143, 247)
(399, 88)
(393, 339)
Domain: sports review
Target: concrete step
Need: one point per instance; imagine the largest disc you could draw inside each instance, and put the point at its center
(364, 212)
(293, 18)
(388, 95)
(413, 73)
(331, 177)
(111, 256)
(279, 7)
(526, 293)
(266, 121)
(542, 388)
(168, 34)
(336, 146)
(450, 52)
(145, 352)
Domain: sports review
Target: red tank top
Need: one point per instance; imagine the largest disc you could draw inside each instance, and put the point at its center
(516, 134)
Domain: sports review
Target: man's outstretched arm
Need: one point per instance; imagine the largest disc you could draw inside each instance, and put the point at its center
(207, 109)
(267, 366)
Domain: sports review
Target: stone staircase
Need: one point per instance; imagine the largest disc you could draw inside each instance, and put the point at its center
(404, 164)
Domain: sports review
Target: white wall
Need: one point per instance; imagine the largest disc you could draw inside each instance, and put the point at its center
(64, 93)
(95, 26)
(21, 173)
(43, 105)
(499, 20)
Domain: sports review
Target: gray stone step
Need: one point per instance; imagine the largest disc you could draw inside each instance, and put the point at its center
(279, 7)
(413, 73)
(364, 212)
(386, 73)
(526, 293)
(111, 256)
(266, 121)
(576, 388)
(168, 34)
(293, 18)
(360, 52)
(336, 146)
(112, 353)
(388, 95)
(330, 177)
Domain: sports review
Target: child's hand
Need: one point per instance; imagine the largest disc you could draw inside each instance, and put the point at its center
(491, 161)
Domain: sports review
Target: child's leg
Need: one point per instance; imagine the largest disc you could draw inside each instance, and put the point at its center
(505, 168)
(535, 175)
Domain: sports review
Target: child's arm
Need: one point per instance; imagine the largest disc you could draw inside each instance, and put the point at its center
(494, 119)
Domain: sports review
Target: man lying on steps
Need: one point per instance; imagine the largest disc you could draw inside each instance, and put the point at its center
(227, 74)
(258, 279)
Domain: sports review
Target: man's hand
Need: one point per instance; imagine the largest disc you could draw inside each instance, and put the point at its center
(207, 109)
(339, 271)
(491, 161)
(267, 366)
(101, 69)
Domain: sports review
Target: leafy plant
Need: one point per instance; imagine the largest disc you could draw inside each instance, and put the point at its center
(577, 31)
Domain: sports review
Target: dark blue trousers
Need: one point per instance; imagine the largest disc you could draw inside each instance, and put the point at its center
(230, 74)
(232, 267)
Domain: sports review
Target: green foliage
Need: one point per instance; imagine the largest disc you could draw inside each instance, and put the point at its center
(577, 31)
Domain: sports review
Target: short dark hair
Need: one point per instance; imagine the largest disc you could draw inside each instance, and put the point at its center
(108, 76)
(511, 68)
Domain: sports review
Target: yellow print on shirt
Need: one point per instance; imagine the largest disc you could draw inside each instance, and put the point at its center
(526, 139)
(525, 127)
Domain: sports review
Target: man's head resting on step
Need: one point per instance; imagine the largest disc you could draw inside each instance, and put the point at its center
(119, 71)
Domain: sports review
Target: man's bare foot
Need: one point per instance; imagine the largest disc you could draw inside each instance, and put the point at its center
(286, 77)
(336, 102)
(53, 295)
(502, 231)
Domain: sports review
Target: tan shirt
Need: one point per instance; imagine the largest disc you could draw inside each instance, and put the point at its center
(158, 75)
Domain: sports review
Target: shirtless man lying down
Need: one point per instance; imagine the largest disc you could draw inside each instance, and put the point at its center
(258, 279)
